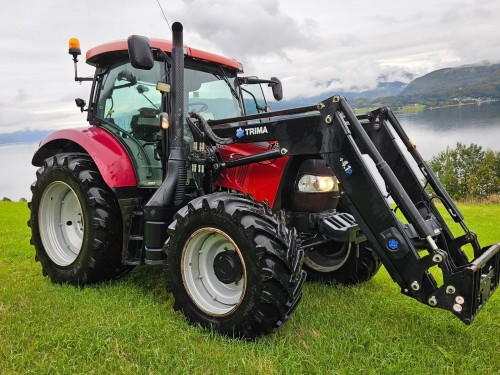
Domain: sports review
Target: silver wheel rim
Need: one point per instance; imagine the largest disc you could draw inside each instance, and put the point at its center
(60, 221)
(322, 261)
(197, 265)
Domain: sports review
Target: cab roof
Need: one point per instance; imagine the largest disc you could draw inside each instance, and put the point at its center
(107, 52)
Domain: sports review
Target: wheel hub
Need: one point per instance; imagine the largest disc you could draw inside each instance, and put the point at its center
(210, 282)
(227, 267)
(61, 223)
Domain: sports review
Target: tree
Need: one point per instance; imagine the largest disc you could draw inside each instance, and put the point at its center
(5, 199)
(468, 171)
(485, 180)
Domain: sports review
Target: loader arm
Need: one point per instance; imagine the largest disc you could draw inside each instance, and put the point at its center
(331, 130)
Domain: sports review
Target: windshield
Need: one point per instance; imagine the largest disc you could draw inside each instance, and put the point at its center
(211, 94)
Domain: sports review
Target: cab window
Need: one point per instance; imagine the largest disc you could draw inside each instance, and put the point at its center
(253, 98)
(129, 99)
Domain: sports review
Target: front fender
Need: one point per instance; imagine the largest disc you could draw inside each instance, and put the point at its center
(109, 155)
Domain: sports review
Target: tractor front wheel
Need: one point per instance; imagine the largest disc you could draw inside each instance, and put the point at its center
(75, 222)
(233, 266)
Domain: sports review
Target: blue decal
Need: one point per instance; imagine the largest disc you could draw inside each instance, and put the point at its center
(240, 133)
(347, 167)
(393, 244)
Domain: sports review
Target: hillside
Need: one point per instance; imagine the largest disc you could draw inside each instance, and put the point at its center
(466, 83)
(483, 80)
(383, 89)
(445, 86)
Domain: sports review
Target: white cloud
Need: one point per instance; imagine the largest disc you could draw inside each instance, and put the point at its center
(312, 46)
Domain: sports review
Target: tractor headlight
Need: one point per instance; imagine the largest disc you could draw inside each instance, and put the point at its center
(317, 184)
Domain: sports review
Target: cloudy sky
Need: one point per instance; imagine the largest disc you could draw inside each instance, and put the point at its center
(313, 46)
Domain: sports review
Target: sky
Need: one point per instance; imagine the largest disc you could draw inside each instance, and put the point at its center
(312, 46)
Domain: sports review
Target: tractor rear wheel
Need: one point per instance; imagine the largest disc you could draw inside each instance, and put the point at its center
(341, 263)
(75, 222)
(232, 266)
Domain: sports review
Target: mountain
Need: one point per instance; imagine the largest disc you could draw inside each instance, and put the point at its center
(452, 85)
(467, 80)
(383, 89)
(467, 83)
(25, 136)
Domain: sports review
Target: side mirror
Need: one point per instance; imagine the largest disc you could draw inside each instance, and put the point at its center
(139, 51)
(277, 88)
(80, 103)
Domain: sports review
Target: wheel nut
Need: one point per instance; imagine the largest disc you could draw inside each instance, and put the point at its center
(329, 119)
(320, 106)
(457, 307)
(460, 300)
(432, 301)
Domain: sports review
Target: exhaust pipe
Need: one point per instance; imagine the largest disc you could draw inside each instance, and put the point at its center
(177, 149)
(160, 209)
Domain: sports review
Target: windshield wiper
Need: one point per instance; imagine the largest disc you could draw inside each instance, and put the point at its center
(233, 91)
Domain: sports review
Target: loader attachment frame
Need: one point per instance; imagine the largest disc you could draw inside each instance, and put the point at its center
(332, 130)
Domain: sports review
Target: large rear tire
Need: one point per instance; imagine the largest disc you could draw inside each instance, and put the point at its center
(75, 222)
(341, 263)
(232, 266)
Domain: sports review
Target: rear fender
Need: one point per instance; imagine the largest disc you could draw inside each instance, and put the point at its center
(109, 155)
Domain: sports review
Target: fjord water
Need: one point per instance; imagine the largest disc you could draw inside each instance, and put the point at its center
(431, 130)
(16, 171)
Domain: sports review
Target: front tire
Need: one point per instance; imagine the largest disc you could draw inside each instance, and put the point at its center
(232, 266)
(75, 222)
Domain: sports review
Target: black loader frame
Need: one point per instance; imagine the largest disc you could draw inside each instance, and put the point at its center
(331, 130)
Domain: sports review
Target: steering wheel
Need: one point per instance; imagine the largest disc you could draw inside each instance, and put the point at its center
(203, 106)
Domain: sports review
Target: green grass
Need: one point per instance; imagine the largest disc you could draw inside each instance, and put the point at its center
(129, 327)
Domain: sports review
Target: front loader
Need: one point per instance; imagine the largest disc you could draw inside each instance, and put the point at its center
(184, 165)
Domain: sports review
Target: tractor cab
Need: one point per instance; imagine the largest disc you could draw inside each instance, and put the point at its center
(126, 102)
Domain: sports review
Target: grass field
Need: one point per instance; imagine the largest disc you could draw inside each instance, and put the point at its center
(129, 327)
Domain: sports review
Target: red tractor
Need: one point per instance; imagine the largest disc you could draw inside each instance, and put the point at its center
(184, 164)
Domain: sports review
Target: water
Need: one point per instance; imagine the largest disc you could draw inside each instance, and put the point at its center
(431, 131)
(16, 172)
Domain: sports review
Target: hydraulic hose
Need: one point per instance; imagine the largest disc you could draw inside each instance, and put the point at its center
(209, 132)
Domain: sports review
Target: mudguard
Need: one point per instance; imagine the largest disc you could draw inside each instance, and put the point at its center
(109, 155)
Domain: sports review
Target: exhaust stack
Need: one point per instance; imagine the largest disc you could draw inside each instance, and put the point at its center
(160, 209)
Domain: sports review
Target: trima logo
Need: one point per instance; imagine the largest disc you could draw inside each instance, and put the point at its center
(240, 133)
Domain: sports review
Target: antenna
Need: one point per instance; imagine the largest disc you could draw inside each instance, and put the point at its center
(158, 1)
